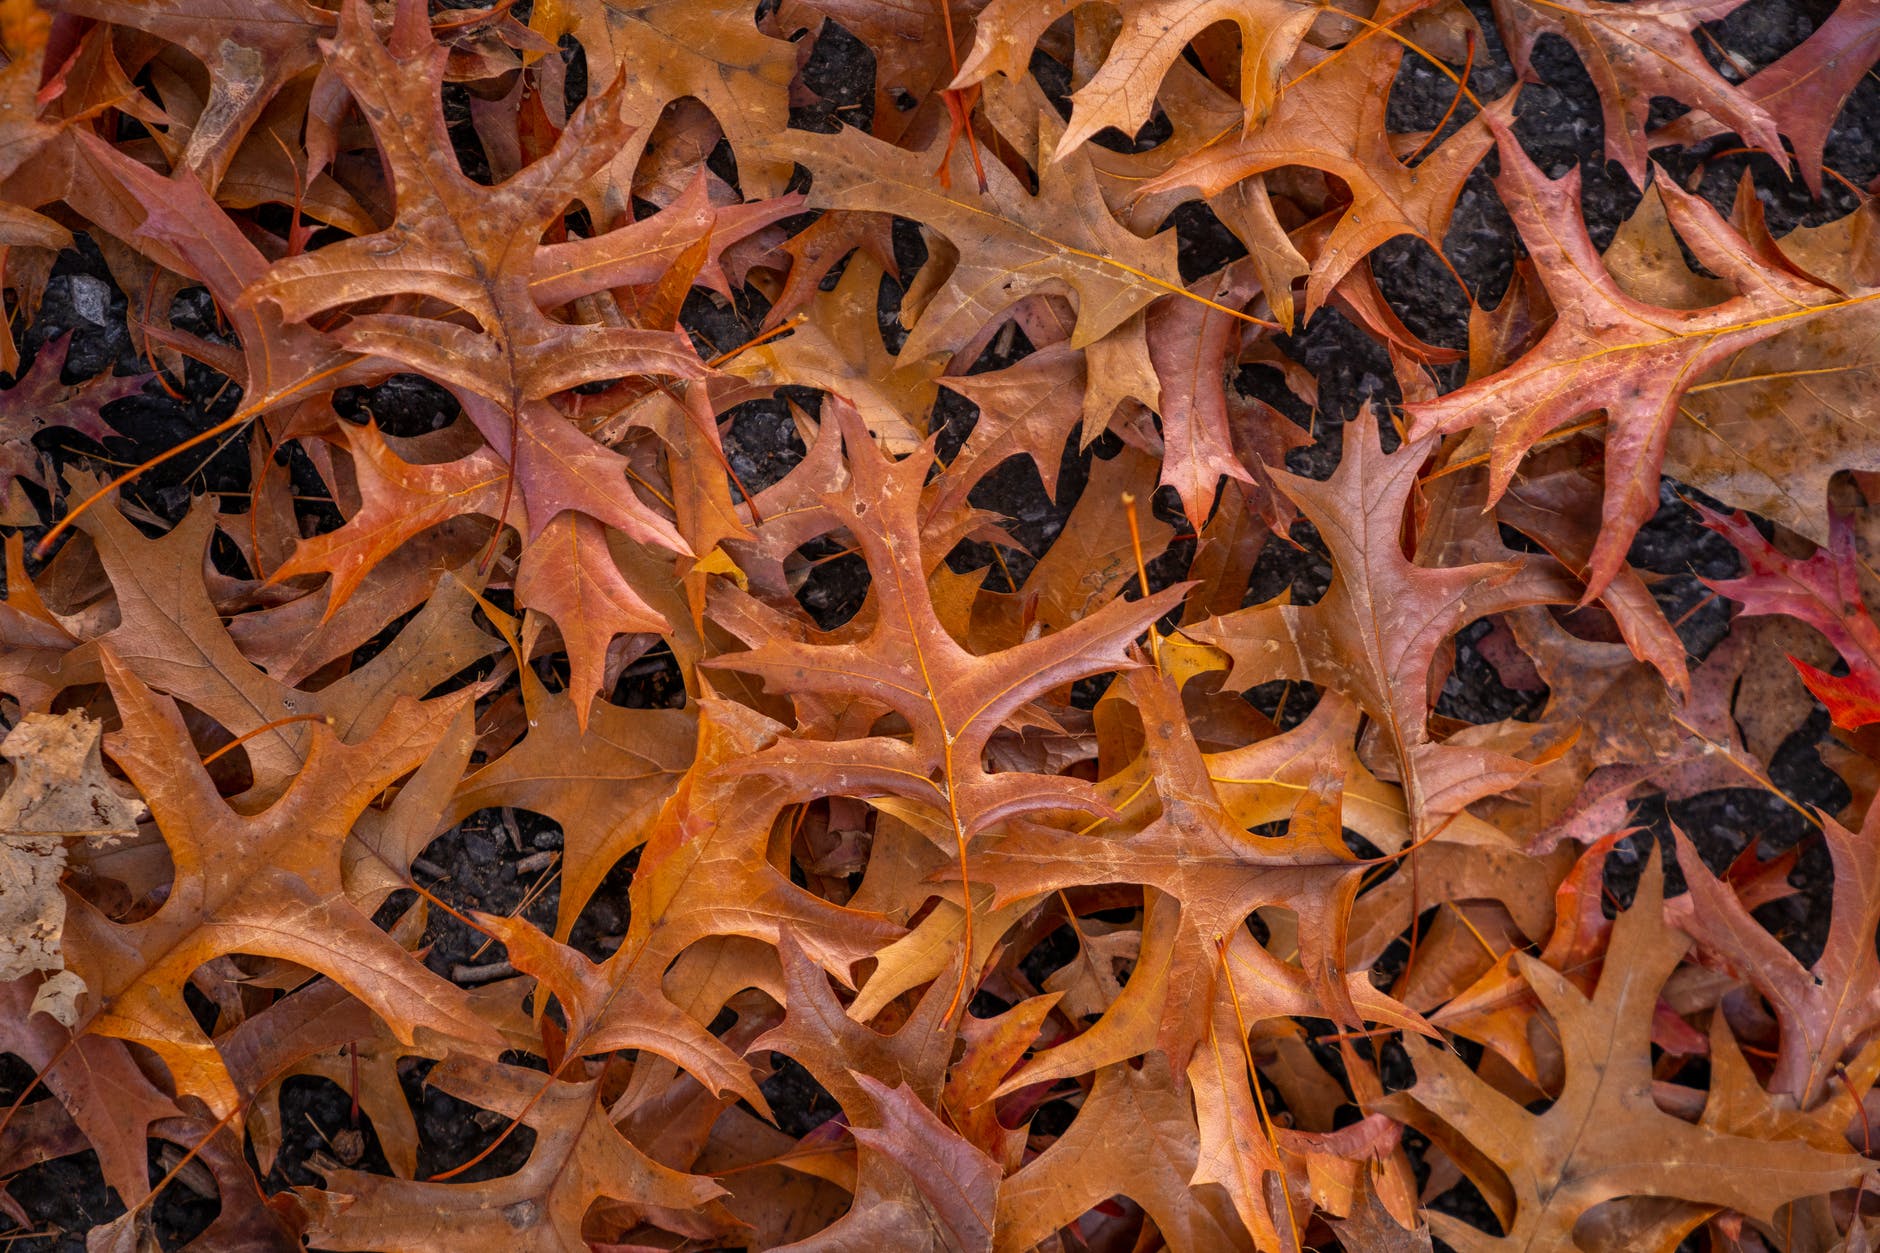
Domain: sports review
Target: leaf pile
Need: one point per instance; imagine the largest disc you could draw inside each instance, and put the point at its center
(996, 749)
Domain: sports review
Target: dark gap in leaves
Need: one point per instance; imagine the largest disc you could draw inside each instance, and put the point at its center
(1560, 125)
(1676, 544)
(1172, 565)
(1288, 702)
(471, 158)
(1390, 963)
(472, 866)
(722, 162)
(82, 297)
(1033, 519)
(575, 78)
(186, 1213)
(602, 923)
(200, 1007)
(1724, 821)
(1627, 860)
(308, 1126)
(1465, 1202)
(1055, 951)
(841, 71)
(1086, 692)
(1152, 132)
(951, 421)
(1480, 242)
(761, 443)
(1007, 347)
(715, 325)
(1302, 567)
(651, 681)
(1352, 370)
(225, 557)
(1053, 1118)
(1054, 79)
(1474, 691)
(461, 1131)
(313, 504)
(837, 580)
(67, 1197)
(1422, 291)
(1359, 846)
(1204, 244)
(404, 405)
(800, 1103)
(986, 1005)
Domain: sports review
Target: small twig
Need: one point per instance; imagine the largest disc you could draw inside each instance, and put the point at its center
(488, 972)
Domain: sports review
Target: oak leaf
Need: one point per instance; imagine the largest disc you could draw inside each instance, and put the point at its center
(579, 1159)
(1608, 350)
(251, 49)
(1152, 37)
(1823, 1011)
(603, 783)
(1758, 434)
(1603, 1138)
(655, 54)
(1088, 1165)
(1823, 591)
(282, 898)
(1635, 52)
(909, 664)
(1804, 89)
(446, 226)
(1375, 634)
(1008, 242)
(1332, 118)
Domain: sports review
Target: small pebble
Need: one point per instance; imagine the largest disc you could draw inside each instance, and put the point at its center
(91, 299)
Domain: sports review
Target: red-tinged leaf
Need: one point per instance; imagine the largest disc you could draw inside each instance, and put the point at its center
(1804, 89)
(1331, 117)
(579, 1158)
(251, 48)
(97, 1080)
(185, 229)
(1636, 52)
(398, 500)
(1607, 350)
(959, 1183)
(1375, 634)
(1195, 347)
(1824, 592)
(1825, 1010)
(281, 898)
(448, 225)
(1853, 700)
(1589, 1147)
(568, 573)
